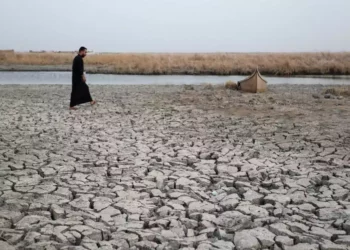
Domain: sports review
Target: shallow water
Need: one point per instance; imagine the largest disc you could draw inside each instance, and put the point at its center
(65, 78)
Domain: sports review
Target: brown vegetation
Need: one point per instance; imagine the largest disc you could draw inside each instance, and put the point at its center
(230, 85)
(339, 91)
(195, 64)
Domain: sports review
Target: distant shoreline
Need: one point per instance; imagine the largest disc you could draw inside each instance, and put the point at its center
(66, 68)
(220, 64)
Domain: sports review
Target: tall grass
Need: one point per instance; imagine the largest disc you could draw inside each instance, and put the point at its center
(210, 63)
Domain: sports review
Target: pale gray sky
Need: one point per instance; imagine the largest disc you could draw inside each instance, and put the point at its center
(176, 25)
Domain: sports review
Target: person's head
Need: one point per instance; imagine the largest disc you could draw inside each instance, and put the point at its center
(82, 51)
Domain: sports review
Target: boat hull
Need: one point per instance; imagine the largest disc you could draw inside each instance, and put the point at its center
(253, 84)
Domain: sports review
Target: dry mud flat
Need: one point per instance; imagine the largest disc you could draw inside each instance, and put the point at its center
(171, 167)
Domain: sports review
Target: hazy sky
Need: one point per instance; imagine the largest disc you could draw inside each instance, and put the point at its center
(176, 25)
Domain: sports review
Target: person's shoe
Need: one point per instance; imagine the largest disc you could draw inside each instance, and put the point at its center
(72, 108)
(93, 103)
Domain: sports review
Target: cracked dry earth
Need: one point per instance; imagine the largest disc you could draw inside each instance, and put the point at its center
(171, 167)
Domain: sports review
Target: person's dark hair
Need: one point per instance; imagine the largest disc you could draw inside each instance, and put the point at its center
(82, 49)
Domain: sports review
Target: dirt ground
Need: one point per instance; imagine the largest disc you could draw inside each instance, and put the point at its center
(174, 167)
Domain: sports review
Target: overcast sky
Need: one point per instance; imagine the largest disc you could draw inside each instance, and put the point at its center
(176, 25)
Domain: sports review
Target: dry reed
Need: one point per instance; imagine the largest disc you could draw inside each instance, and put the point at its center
(195, 64)
(339, 91)
(230, 85)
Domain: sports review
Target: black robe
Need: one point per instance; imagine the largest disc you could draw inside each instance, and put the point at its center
(80, 91)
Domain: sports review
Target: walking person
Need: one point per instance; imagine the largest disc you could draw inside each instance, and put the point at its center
(80, 91)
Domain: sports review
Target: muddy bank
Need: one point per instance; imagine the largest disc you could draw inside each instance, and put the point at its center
(174, 167)
(35, 68)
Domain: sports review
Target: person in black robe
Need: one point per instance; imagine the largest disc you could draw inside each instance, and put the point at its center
(80, 90)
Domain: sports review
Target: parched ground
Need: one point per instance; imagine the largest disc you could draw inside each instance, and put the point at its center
(171, 167)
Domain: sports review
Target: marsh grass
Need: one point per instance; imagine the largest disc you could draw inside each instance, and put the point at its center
(231, 85)
(195, 64)
(338, 91)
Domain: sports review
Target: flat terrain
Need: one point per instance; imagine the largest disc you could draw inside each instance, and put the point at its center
(283, 64)
(174, 167)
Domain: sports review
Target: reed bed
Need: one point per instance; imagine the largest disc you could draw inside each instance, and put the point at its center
(194, 64)
(338, 91)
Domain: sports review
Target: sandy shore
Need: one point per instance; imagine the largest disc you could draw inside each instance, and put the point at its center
(171, 167)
